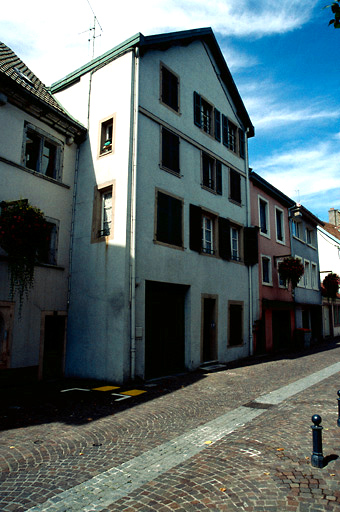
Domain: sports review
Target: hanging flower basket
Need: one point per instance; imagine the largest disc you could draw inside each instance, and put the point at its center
(331, 285)
(291, 270)
(23, 232)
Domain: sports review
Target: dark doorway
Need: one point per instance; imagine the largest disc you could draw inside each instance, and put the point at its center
(54, 342)
(281, 330)
(164, 329)
(209, 329)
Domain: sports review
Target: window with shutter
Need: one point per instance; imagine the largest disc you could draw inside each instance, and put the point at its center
(170, 151)
(211, 173)
(169, 88)
(235, 186)
(169, 225)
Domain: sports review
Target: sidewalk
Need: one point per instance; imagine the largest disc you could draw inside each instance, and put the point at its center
(175, 446)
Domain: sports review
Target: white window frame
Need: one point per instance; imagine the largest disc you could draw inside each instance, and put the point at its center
(307, 278)
(107, 129)
(281, 212)
(314, 276)
(301, 282)
(298, 229)
(235, 243)
(207, 227)
(263, 200)
(312, 236)
(270, 270)
(283, 285)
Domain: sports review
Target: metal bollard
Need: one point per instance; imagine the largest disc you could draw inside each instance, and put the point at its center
(338, 423)
(317, 456)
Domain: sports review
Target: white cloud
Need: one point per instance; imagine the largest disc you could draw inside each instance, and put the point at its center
(309, 170)
(54, 41)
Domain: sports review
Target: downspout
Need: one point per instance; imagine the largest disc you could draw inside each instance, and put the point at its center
(250, 280)
(134, 101)
(75, 184)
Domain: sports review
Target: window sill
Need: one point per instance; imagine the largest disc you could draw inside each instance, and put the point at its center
(208, 189)
(267, 284)
(234, 201)
(266, 235)
(34, 173)
(171, 246)
(171, 171)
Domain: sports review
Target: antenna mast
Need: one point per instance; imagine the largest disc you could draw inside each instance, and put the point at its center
(93, 29)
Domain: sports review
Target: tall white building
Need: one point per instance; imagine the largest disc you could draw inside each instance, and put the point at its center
(163, 252)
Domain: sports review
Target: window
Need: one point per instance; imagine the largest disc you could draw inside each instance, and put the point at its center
(207, 235)
(234, 186)
(169, 222)
(204, 116)
(202, 230)
(336, 312)
(279, 225)
(296, 228)
(48, 252)
(42, 152)
(301, 281)
(264, 217)
(235, 335)
(229, 134)
(106, 136)
(307, 274)
(235, 243)
(282, 282)
(310, 236)
(170, 151)
(169, 88)
(314, 276)
(266, 270)
(211, 173)
(103, 212)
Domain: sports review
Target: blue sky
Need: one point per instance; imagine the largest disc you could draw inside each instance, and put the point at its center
(283, 57)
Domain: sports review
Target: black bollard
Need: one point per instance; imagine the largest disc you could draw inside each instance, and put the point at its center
(338, 423)
(317, 456)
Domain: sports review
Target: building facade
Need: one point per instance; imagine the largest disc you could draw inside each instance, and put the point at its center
(38, 158)
(304, 245)
(164, 256)
(329, 257)
(276, 317)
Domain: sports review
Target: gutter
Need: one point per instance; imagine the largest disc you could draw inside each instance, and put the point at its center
(250, 280)
(133, 199)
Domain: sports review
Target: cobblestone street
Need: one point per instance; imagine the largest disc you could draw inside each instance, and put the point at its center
(219, 440)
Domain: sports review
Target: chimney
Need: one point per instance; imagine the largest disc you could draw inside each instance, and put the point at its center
(334, 217)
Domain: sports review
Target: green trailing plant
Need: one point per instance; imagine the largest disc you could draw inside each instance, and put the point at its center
(291, 270)
(335, 6)
(331, 285)
(23, 233)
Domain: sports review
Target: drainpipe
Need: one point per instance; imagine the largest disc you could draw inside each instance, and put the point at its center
(250, 281)
(75, 184)
(134, 105)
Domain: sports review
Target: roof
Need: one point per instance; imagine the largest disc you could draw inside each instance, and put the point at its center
(309, 216)
(332, 230)
(24, 89)
(163, 42)
(270, 189)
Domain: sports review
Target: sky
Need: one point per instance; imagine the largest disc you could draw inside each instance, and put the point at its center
(283, 57)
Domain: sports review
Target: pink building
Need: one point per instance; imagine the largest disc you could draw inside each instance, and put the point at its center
(269, 211)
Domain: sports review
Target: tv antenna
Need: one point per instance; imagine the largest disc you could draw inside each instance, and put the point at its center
(92, 30)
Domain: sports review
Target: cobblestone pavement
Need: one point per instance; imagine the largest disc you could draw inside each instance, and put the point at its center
(204, 441)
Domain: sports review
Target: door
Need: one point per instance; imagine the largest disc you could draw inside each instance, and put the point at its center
(209, 349)
(281, 330)
(53, 346)
(326, 311)
(164, 329)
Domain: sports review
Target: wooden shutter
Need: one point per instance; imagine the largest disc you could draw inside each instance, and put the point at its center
(217, 125)
(251, 251)
(195, 228)
(235, 186)
(224, 238)
(197, 109)
(225, 139)
(170, 150)
(218, 178)
(241, 143)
